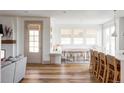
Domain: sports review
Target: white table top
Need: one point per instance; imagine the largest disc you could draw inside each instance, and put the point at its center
(55, 53)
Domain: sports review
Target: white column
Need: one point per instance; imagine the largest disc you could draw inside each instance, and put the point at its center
(122, 71)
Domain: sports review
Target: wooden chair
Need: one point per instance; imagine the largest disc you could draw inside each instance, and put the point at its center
(118, 70)
(96, 64)
(102, 67)
(112, 71)
(91, 61)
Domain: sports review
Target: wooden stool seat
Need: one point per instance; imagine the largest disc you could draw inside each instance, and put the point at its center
(112, 71)
(96, 64)
(91, 61)
(118, 70)
(102, 67)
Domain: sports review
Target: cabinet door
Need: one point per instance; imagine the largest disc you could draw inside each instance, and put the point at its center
(20, 70)
(7, 73)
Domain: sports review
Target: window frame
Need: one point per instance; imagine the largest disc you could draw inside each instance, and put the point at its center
(33, 48)
(83, 35)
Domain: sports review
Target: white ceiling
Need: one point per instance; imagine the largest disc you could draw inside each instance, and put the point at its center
(68, 16)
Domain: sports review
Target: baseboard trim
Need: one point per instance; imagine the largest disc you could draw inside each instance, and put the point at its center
(46, 62)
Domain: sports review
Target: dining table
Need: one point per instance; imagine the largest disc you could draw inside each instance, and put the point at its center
(76, 54)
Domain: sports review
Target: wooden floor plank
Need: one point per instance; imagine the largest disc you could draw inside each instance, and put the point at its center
(65, 73)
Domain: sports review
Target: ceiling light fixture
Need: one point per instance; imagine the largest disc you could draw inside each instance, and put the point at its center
(115, 32)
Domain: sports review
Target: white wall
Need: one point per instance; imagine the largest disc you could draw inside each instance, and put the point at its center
(11, 22)
(46, 36)
(120, 37)
(121, 33)
(105, 26)
(17, 23)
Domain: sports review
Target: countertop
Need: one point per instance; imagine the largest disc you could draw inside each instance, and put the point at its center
(121, 58)
(55, 53)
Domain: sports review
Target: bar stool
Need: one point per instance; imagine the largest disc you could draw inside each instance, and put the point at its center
(118, 70)
(91, 61)
(102, 67)
(96, 64)
(112, 72)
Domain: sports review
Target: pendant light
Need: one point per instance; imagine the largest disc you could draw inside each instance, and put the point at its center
(115, 33)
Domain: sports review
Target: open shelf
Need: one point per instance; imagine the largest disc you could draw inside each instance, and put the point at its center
(8, 41)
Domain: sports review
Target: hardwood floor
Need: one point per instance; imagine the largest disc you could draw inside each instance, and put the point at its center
(64, 73)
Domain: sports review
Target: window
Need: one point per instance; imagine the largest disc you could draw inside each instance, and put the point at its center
(91, 33)
(66, 36)
(66, 32)
(90, 41)
(78, 41)
(112, 40)
(77, 33)
(65, 41)
(109, 40)
(34, 39)
(78, 36)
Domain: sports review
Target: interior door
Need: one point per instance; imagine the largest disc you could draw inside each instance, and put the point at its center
(33, 41)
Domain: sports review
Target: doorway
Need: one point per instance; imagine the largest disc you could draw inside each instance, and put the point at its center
(33, 41)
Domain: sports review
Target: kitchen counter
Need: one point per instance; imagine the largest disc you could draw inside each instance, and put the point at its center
(55, 58)
(13, 71)
(121, 58)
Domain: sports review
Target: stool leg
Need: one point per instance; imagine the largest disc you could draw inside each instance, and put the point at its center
(104, 74)
(107, 76)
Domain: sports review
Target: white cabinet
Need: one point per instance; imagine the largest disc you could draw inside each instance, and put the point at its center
(7, 73)
(20, 69)
(55, 58)
(14, 72)
(121, 58)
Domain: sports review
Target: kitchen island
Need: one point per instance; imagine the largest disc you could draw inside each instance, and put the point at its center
(55, 58)
(121, 58)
